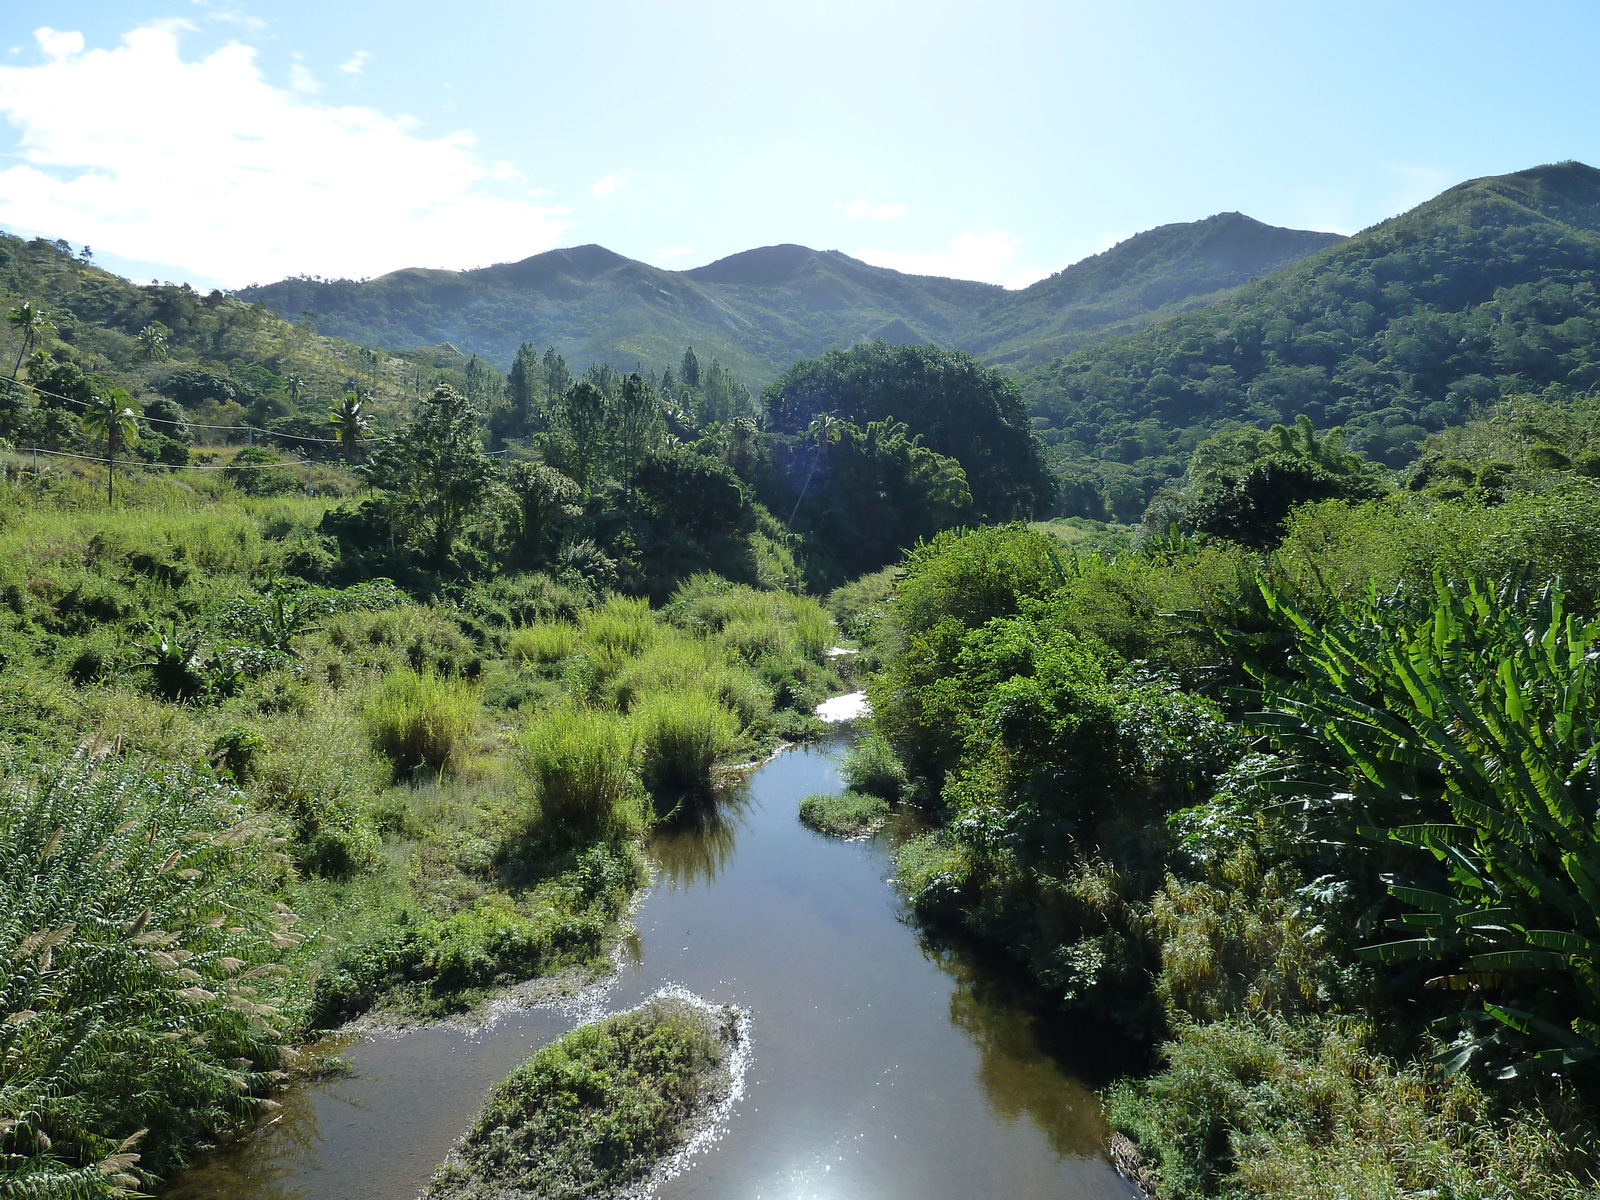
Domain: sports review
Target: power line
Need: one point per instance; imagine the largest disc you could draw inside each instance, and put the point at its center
(298, 437)
(135, 462)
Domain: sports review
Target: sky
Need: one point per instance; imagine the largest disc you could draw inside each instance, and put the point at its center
(229, 142)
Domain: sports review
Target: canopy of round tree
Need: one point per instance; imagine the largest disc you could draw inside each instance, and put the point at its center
(961, 408)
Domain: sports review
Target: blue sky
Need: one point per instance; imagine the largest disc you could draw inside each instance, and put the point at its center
(232, 141)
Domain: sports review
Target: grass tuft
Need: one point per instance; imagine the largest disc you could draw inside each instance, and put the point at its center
(581, 762)
(422, 720)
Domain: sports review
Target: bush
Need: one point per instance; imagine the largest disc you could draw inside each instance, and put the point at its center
(1267, 1109)
(422, 720)
(850, 815)
(134, 911)
(873, 767)
(581, 762)
(543, 643)
(680, 735)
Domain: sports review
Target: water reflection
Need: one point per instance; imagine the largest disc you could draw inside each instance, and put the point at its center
(700, 840)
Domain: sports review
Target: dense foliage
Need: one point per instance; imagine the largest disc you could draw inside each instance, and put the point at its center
(1317, 808)
(961, 409)
(1484, 292)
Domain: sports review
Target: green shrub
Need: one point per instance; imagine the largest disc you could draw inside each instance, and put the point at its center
(581, 762)
(849, 815)
(138, 937)
(422, 721)
(1306, 1112)
(873, 767)
(680, 735)
(934, 872)
(542, 643)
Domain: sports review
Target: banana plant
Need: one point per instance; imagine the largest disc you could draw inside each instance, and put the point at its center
(1463, 725)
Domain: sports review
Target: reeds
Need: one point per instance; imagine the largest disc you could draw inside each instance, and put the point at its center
(581, 763)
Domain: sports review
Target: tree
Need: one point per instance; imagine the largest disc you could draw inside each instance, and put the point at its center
(112, 418)
(152, 341)
(961, 408)
(437, 473)
(33, 325)
(523, 387)
(557, 379)
(1243, 483)
(349, 425)
(583, 417)
(636, 425)
(691, 368)
(543, 500)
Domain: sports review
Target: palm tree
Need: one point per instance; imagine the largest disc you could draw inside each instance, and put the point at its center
(111, 417)
(294, 383)
(349, 425)
(153, 342)
(824, 428)
(32, 324)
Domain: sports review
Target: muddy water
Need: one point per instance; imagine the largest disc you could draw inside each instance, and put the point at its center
(883, 1068)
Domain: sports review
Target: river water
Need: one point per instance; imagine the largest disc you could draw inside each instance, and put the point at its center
(883, 1068)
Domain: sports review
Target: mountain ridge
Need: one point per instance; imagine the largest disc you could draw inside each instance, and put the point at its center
(761, 309)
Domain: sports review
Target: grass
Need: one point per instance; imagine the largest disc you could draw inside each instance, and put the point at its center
(593, 1113)
(581, 763)
(848, 815)
(422, 721)
(872, 766)
(680, 736)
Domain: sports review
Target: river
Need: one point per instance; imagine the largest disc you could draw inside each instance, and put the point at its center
(884, 1068)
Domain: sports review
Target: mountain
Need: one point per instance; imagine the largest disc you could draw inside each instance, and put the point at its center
(760, 310)
(1490, 289)
(1151, 275)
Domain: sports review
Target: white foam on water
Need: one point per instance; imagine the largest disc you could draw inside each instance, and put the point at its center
(849, 707)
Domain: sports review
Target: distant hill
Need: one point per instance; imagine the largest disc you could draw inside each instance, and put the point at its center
(761, 310)
(1490, 289)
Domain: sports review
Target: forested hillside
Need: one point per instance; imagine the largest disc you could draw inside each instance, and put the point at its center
(760, 310)
(1486, 291)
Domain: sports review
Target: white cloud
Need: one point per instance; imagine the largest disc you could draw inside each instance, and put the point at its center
(58, 45)
(301, 79)
(857, 209)
(669, 254)
(986, 257)
(353, 64)
(604, 187)
(253, 184)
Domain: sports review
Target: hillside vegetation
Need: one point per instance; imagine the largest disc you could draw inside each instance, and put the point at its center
(1486, 291)
(760, 310)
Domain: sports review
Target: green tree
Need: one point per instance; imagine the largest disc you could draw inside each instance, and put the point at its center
(636, 427)
(1243, 483)
(543, 503)
(152, 341)
(110, 418)
(557, 379)
(583, 419)
(690, 369)
(33, 326)
(961, 408)
(437, 472)
(350, 425)
(523, 387)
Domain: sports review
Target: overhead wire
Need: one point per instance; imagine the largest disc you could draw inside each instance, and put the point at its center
(272, 433)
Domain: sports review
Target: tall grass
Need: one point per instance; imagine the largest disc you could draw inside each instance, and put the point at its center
(139, 992)
(542, 643)
(680, 735)
(422, 720)
(581, 762)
